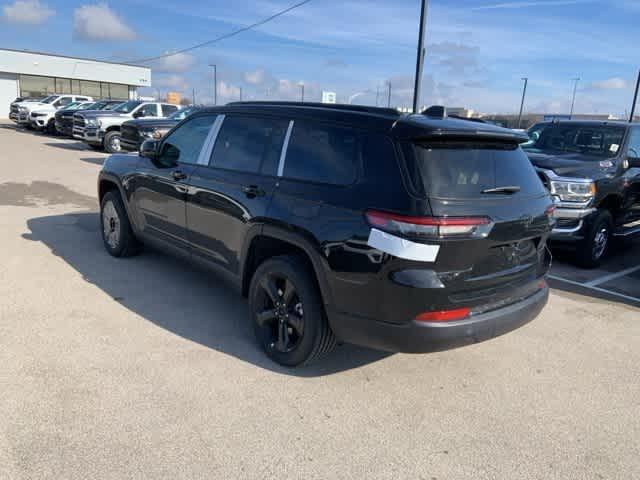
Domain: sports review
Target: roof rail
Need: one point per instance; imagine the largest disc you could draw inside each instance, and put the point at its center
(330, 106)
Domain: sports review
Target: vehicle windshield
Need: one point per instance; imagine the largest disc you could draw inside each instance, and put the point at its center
(112, 106)
(87, 106)
(182, 114)
(597, 141)
(127, 107)
(71, 106)
(49, 99)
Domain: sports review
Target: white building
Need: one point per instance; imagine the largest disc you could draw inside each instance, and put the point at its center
(34, 74)
(328, 97)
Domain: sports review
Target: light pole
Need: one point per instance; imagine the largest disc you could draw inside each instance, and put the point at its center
(240, 93)
(301, 85)
(377, 94)
(389, 95)
(420, 56)
(215, 83)
(573, 99)
(524, 92)
(635, 99)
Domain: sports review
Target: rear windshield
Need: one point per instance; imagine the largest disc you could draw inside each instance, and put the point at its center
(470, 170)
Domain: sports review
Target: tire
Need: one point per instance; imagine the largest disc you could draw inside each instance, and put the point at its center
(117, 235)
(289, 322)
(50, 128)
(112, 142)
(597, 239)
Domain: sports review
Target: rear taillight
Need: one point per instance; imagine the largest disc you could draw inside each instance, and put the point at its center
(432, 227)
(443, 315)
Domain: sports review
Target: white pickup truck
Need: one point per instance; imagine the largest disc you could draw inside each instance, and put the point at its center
(101, 129)
(39, 114)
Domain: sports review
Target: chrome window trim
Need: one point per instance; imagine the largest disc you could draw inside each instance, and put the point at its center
(207, 148)
(285, 146)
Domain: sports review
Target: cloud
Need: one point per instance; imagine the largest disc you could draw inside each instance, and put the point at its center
(228, 92)
(518, 5)
(614, 83)
(99, 22)
(255, 77)
(174, 82)
(455, 57)
(335, 63)
(29, 12)
(178, 63)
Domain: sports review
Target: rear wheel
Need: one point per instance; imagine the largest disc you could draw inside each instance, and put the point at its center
(597, 239)
(112, 142)
(287, 312)
(117, 234)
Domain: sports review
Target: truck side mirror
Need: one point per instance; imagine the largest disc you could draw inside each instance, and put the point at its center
(632, 162)
(149, 149)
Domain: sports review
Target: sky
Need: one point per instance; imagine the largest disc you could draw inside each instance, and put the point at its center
(477, 51)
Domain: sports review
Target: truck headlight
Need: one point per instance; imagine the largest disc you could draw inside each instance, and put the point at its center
(92, 122)
(573, 191)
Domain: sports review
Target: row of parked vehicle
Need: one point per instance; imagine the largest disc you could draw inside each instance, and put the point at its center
(112, 125)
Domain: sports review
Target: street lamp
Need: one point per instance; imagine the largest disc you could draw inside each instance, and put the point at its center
(524, 92)
(301, 85)
(573, 99)
(215, 83)
(419, 58)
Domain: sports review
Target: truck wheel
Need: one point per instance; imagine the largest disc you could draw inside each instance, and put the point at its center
(50, 128)
(117, 234)
(112, 142)
(287, 312)
(597, 239)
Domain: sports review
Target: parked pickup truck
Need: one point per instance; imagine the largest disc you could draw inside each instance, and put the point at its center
(102, 129)
(45, 110)
(64, 116)
(592, 170)
(134, 132)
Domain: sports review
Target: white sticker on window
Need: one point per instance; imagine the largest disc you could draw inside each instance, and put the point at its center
(614, 148)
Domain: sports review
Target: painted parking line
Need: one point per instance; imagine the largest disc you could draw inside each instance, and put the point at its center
(612, 276)
(596, 289)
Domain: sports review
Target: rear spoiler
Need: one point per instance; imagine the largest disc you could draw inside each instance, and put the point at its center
(470, 134)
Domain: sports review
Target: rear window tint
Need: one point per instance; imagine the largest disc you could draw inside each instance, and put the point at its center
(322, 153)
(464, 170)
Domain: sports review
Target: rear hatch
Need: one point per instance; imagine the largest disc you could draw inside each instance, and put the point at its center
(492, 183)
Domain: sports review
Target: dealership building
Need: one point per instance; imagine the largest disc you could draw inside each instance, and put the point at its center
(36, 74)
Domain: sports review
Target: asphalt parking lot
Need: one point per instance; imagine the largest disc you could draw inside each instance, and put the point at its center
(146, 367)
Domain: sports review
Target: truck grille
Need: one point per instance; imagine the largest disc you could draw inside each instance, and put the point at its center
(78, 122)
(14, 109)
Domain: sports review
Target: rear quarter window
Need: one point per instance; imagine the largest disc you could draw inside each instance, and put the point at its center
(322, 153)
(464, 170)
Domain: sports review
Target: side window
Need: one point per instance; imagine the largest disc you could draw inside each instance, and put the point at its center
(183, 145)
(249, 144)
(63, 102)
(148, 110)
(322, 153)
(168, 110)
(633, 148)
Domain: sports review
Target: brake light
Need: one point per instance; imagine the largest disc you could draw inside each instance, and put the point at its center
(443, 315)
(430, 226)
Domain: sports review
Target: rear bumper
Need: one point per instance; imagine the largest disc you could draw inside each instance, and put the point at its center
(422, 337)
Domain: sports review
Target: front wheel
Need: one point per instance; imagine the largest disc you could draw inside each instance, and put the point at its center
(112, 142)
(287, 312)
(117, 234)
(597, 239)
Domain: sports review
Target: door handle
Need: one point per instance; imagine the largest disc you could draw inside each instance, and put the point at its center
(178, 175)
(252, 191)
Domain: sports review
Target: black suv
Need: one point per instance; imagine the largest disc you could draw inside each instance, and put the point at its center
(344, 223)
(592, 170)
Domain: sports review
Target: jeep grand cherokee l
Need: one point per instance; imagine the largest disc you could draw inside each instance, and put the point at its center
(343, 223)
(592, 170)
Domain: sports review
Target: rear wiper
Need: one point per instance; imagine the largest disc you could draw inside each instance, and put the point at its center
(507, 190)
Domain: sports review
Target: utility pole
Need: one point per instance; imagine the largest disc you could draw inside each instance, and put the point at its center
(302, 92)
(573, 100)
(215, 84)
(389, 96)
(635, 99)
(377, 94)
(240, 93)
(524, 92)
(420, 56)
(193, 93)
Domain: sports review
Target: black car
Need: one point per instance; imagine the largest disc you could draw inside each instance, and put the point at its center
(343, 223)
(64, 117)
(134, 132)
(592, 169)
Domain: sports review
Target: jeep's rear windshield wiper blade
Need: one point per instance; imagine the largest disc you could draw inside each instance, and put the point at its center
(506, 190)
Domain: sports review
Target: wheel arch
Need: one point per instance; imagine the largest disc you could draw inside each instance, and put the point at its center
(269, 241)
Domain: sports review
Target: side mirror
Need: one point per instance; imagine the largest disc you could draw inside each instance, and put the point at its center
(633, 162)
(149, 149)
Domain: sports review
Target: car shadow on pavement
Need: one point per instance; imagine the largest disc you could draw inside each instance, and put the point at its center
(71, 144)
(173, 294)
(94, 160)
